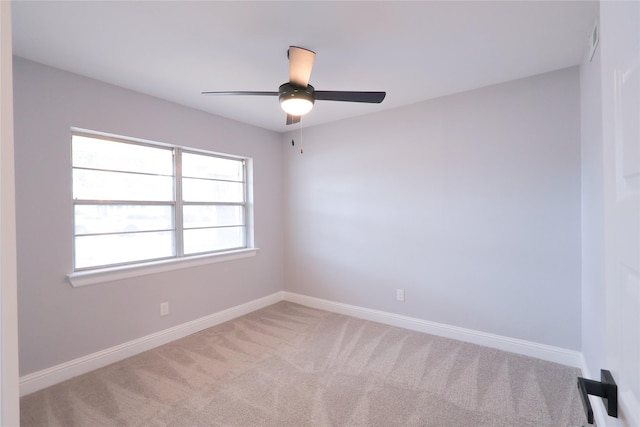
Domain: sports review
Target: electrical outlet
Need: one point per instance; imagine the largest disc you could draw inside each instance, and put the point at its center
(164, 308)
(399, 294)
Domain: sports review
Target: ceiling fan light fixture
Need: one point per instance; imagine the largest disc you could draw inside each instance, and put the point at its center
(296, 100)
(296, 106)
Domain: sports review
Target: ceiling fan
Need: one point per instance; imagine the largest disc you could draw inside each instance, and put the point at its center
(298, 96)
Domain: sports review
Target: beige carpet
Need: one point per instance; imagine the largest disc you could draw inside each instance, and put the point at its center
(289, 365)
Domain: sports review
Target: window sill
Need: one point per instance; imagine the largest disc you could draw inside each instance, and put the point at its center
(85, 278)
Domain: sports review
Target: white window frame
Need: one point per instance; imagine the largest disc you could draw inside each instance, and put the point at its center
(94, 275)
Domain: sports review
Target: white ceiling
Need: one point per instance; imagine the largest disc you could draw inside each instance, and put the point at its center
(413, 50)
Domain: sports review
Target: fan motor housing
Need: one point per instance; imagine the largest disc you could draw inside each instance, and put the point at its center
(290, 91)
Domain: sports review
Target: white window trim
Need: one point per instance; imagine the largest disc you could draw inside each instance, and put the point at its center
(96, 276)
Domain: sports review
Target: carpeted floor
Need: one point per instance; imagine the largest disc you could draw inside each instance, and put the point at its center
(289, 365)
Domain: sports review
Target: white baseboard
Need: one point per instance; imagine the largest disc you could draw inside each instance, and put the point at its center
(56, 374)
(628, 408)
(50, 376)
(513, 345)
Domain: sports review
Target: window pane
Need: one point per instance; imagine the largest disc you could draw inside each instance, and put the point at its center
(99, 185)
(94, 219)
(213, 239)
(93, 251)
(97, 153)
(202, 190)
(201, 166)
(212, 216)
(125, 205)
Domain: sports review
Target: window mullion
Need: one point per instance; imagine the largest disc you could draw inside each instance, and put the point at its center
(179, 236)
(122, 202)
(245, 205)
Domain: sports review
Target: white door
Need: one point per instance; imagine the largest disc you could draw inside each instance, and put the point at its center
(620, 38)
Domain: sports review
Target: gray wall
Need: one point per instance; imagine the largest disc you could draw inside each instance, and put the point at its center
(470, 203)
(58, 323)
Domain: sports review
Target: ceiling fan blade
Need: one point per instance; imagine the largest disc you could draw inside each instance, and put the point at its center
(240, 92)
(337, 95)
(300, 65)
(292, 119)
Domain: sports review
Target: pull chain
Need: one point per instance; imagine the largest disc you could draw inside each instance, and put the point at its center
(293, 142)
(301, 146)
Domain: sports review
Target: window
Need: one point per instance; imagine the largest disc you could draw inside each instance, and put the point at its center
(136, 202)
